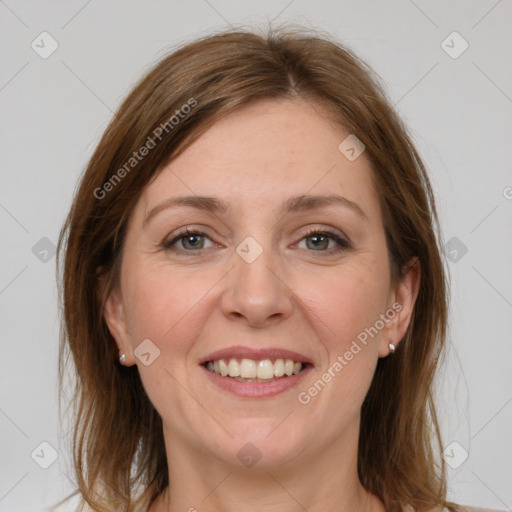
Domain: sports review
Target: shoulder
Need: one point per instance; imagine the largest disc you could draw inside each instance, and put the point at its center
(457, 508)
(466, 508)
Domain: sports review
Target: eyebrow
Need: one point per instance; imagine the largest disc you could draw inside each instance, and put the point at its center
(294, 204)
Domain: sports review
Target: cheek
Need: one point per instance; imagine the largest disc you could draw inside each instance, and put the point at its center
(346, 307)
(347, 303)
(342, 314)
(163, 305)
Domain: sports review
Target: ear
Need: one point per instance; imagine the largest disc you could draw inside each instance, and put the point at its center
(115, 319)
(402, 300)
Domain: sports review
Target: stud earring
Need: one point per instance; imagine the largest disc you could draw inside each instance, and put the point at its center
(391, 348)
(122, 358)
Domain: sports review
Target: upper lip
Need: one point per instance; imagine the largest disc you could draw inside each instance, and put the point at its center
(256, 354)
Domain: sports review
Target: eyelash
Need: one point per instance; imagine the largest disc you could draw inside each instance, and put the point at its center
(343, 244)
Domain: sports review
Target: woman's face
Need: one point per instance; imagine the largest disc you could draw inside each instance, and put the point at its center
(285, 259)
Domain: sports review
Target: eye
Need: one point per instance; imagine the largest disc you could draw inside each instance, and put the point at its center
(318, 240)
(324, 240)
(187, 241)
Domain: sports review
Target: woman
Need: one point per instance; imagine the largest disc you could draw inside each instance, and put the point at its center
(253, 293)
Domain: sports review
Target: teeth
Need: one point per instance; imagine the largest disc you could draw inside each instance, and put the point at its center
(265, 369)
(248, 369)
(260, 370)
(223, 368)
(279, 368)
(233, 368)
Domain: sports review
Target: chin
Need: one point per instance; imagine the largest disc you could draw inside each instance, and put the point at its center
(260, 444)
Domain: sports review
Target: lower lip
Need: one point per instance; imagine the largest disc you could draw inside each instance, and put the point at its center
(256, 389)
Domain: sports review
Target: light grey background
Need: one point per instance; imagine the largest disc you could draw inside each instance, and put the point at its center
(458, 109)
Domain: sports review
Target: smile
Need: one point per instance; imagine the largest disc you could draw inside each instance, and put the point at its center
(249, 370)
(255, 372)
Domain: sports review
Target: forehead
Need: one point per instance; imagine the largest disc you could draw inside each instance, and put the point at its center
(264, 152)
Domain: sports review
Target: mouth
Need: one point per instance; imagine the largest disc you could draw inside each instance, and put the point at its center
(250, 370)
(256, 373)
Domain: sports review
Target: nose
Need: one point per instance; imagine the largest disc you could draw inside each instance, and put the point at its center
(257, 293)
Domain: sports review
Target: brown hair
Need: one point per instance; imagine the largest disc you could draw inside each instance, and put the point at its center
(118, 445)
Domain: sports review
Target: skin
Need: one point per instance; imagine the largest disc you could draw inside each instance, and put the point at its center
(294, 296)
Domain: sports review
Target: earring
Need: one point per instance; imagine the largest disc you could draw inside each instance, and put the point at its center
(391, 348)
(122, 358)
